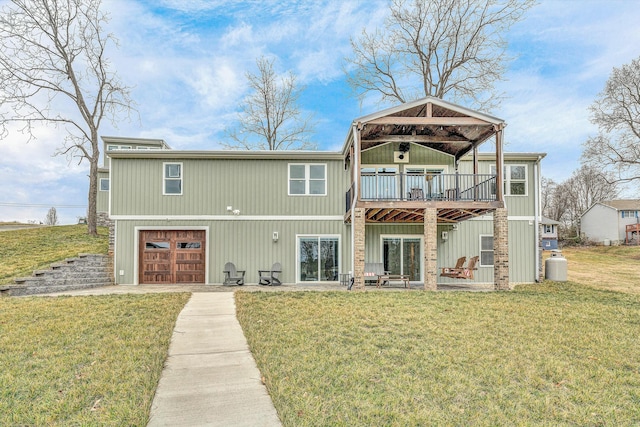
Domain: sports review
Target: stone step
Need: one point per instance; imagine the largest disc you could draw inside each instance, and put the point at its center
(72, 273)
(17, 290)
(83, 271)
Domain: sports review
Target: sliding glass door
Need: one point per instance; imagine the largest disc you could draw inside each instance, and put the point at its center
(318, 258)
(402, 255)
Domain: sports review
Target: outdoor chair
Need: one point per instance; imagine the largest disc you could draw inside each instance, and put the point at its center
(270, 277)
(462, 272)
(454, 271)
(233, 276)
(416, 194)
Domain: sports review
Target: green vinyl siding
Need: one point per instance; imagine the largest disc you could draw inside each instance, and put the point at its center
(248, 244)
(517, 205)
(253, 187)
(465, 241)
(418, 155)
(102, 199)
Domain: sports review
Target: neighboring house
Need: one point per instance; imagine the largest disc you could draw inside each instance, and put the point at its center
(549, 234)
(409, 189)
(612, 222)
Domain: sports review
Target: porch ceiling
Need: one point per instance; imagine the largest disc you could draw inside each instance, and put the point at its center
(431, 123)
(416, 215)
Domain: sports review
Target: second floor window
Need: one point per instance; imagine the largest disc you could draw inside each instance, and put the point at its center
(172, 179)
(515, 179)
(629, 214)
(104, 184)
(307, 179)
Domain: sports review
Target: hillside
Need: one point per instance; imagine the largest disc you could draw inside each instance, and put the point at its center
(28, 249)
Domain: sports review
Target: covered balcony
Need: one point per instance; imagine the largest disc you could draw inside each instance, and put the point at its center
(430, 189)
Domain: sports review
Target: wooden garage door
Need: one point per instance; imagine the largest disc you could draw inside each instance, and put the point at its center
(172, 256)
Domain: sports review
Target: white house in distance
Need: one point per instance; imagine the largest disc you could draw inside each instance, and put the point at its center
(612, 222)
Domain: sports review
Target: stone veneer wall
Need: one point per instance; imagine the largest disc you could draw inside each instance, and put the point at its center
(430, 249)
(358, 262)
(103, 220)
(501, 250)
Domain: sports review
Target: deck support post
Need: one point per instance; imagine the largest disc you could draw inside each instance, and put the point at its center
(358, 250)
(430, 249)
(501, 250)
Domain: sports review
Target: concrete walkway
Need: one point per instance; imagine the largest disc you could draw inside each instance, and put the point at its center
(210, 377)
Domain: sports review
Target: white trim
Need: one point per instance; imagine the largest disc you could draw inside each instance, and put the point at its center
(480, 250)
(318, 236)
(307, 179)
(100, 184)
(402, 237)
(228, 217)
(136, 243)
(165, 178)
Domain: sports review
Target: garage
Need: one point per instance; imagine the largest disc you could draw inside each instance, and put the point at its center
(172, 256)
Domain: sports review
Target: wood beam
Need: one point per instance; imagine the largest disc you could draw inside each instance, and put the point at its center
(453, 139)
(440, 121)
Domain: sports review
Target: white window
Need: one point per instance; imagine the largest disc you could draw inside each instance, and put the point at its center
(515, 179)
(118, 147)
(104, 184)
(172, 179)
(548, 229)
(307, 179)
(486, 251)
(629, 214)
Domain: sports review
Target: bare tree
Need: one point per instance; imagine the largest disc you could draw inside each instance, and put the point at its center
(271, 118)
(52, 217)
(453, 49)
(554, 202)
(587, 185)
(616, 111)
(53, 70)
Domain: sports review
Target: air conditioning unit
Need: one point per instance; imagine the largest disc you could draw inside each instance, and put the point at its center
(401, 157)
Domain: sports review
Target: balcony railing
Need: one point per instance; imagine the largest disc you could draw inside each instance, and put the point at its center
(426, 186)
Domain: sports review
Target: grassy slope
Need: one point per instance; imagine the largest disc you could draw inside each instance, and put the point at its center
(22, 251)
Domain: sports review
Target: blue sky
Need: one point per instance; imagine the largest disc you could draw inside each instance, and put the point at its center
(186, 61)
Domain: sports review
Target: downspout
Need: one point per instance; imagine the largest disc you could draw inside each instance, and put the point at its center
(537, 253)
(355, 169)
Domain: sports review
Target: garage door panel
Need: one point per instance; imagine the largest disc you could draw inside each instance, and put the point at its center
(172, 256)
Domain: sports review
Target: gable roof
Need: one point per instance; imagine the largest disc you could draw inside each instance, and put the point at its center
(430, 122)
(623, 204)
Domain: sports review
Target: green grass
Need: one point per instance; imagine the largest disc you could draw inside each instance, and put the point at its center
(83, 360)
(615, 268)
(551, 354)
(22, 251)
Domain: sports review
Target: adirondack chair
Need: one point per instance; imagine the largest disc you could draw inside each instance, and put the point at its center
(464, 272)
(454, 271)
(233, 276)
(270, 277)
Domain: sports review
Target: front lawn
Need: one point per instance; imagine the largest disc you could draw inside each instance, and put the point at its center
(83, 360)
(552, 354)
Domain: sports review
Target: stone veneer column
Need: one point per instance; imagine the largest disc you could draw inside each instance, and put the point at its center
(358, 250)
(501, 250)
(430, 249)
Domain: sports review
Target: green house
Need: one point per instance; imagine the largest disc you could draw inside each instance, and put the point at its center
(410, 191)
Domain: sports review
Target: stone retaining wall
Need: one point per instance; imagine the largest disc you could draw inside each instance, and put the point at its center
(82, 272)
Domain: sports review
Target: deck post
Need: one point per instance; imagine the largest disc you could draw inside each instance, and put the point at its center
(501, 249)
(358, 250)
(430, 249)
